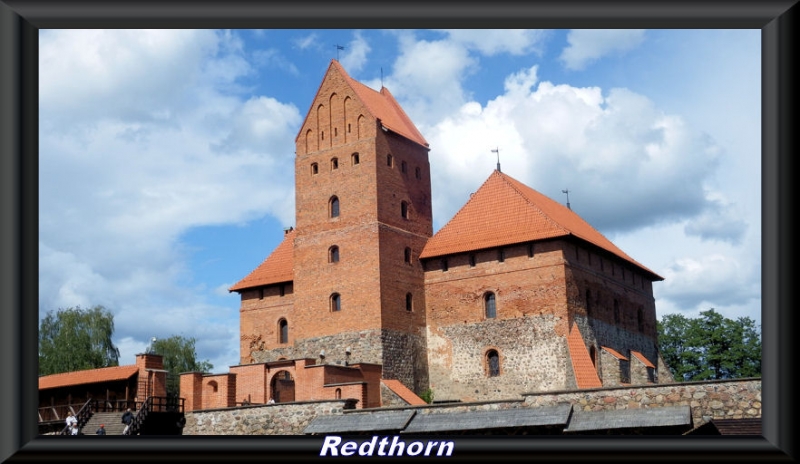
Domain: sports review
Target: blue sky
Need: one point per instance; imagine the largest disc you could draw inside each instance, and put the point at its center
(166, 156)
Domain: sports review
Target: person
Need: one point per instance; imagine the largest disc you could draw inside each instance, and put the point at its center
(271, 400)
(75, 429)
(101, 430)
(71, 421)
(127, 419)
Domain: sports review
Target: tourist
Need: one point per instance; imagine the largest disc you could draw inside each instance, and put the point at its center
(101, 430)
(127, 419)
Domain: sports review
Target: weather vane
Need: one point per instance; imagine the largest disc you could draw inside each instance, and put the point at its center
(567, 192)
(338, 47)
(497, 150)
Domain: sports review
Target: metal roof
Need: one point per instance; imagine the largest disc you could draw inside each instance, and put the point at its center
(477, 420)
(360, 422)
(629, 418)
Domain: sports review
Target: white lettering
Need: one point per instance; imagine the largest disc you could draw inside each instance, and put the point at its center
(349, 448)
(330, 442)
(396, 444)
(431, 444)
(449, 444)
(368, 447)
(415, 448)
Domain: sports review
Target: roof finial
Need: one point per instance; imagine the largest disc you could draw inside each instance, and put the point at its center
(567, 192)
(497, 150)
(338, 47)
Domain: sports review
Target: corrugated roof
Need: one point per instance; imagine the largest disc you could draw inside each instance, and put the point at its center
(505, 211)
(614, 353)
(641, 358)
(585, 372)
(729, 427)
(668, 416)
(403, 392)
(360, 422)
(277, 268)
(103, 374)
(481, 420)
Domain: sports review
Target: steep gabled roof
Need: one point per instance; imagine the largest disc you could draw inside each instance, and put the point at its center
(641, 358)
(103, 374)
(585, 372)
(382, 106)
(505, 211)
(277, 268)
(403, 392)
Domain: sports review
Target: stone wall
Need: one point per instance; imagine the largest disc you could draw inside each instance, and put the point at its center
(723, 399)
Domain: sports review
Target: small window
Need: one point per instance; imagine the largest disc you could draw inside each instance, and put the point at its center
(338, 393)
(489, 305)
(322, 133)
(472, 260)
(616, 311)
(334, 163)
(334, 207)
(492, 363)
(333, 254)
(389, 160)
(501, 254)
(336, 302)
(355, 158)
(314, 168)
(407, 255)
(403, 167)
(409, 302)
(404, 209)
(348, 127)
(335, 131)
(418, 173)
(283, 331)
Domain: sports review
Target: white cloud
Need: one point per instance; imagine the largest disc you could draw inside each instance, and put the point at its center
(355, 55)
(589, 45)
(493, 41)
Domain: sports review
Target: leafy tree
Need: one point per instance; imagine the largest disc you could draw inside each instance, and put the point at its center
(179, 356)
(710, 346)
(76, 339)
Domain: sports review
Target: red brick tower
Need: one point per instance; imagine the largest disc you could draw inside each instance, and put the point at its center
(363, 197)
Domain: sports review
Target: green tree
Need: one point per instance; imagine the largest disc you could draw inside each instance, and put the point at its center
(710, 346)
(179, 356)
(76, 339)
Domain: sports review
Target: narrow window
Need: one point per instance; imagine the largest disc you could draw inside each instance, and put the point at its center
(616, 311)
(588, 302)
(338, 393)
(314, 168)
(354, 157)
(418, 173)
(322, 133)
(407, 255)
(336, 302)
(333, 254)
(501, 254)
(492, 363)
(283, 331)
(348, 127)
(403, 167)
(389, 160)
(335, 131)
(489, 305)
(334, 207)
(409, 302)
(472, 260)
(334, 163)
(444, 265)
(404, 209)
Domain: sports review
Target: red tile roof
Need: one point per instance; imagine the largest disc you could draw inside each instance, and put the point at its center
(403, 392)
(104, 374)
(614, 353)
(382, 106)
(585, 372)
(641, 358)
(277, 268)
(505, 211)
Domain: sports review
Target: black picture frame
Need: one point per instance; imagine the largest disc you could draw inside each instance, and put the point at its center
(20, 22)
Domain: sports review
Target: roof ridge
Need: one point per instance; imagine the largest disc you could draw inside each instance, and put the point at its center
(528, 200)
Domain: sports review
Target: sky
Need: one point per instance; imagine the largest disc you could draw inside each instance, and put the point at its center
(166, 163)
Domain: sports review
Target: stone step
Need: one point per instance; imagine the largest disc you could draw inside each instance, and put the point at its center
(111, 420)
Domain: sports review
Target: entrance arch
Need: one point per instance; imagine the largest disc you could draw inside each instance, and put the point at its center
(282, 387)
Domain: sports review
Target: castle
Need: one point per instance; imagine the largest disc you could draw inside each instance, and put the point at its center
(516, 293)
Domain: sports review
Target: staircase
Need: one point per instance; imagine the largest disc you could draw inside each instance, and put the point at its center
(111, 420)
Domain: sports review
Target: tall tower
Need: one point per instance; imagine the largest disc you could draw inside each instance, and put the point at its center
(363, 197)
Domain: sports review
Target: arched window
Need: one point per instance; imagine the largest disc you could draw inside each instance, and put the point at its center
(492, 363)
(283, 331)
(354, 157)
(616, 311)
(333, 254)
(334, 206)
(336, 302)
(314, 168)
(338, 393)
(407, 255)
(489, 305)
(409, 302)
(334, 163)
(389, 160)
(404, 209)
